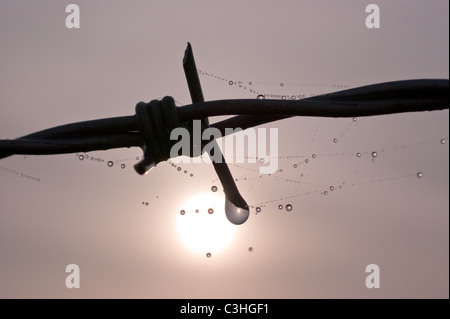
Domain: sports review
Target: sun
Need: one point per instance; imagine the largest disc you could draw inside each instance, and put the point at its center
(202, 226)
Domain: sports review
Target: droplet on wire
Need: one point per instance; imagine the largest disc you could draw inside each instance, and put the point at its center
(419, 175)
(358, 154)
(81, 157)
(258, 210)
(374, 154)
(182, 212)
(110, 164)
(335, 140)
(261, 97)
(443, 141)
(250, 249)
(280, 207)
(289, 208)
(210, 211)
(214, 189)
(208, 255)
(123, 166)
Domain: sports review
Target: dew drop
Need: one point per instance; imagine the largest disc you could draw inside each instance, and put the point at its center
(358, 154)
(314, 156)
(81, 157)
(419, 175)
(331, 188)
(280, 207)
(281, 84)
(306, 161)
(110, 164)
(210, 211)
(374, 154)
(86, 157)
(146, 203)
(250, 249)
(443, 141)
(325, 193)
(236, 215)
(262, 160)
(355, 119)
(182, 212)
(179, 169)
(295, 165)
(258, 210)
(335, 140)
(283, 97)
(214, 189)
(122, 166)
(289, 208)
(197, 211)
(230, 82)
(260, 97)
(208, 255)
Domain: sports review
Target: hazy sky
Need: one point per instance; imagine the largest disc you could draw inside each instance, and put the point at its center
(92, 215)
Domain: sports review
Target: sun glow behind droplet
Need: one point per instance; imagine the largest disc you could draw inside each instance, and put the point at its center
(207, 231)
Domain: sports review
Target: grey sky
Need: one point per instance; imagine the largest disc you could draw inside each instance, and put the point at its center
(86, 213)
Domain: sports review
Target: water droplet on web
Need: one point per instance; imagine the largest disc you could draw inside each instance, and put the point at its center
(358, 154)
(281, 84)
(289, 208)
(306, 161)
(110, 164)
(355, 119)
(81, 157)
(208, 255)
(250, 249)
(146, 203)
(123, 166)
(230, 82)
(314, 156)
(283, 97)
(335, 140)
(374, 154)
(197, 211)
(214, 189)
(236, 215)
(325, 193)
(210, 211)
(280, 207)
(262, 160)
(443, 141)
(419, 175)
(182, 212)
(261, 97)
(179, 169)
(331, 188)
(86, 157)
(258, 210)
(295, 165)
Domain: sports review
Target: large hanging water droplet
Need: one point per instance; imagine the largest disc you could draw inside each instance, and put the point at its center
(289, 208)
(214, 189)
(110, 164)
(236, 215)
